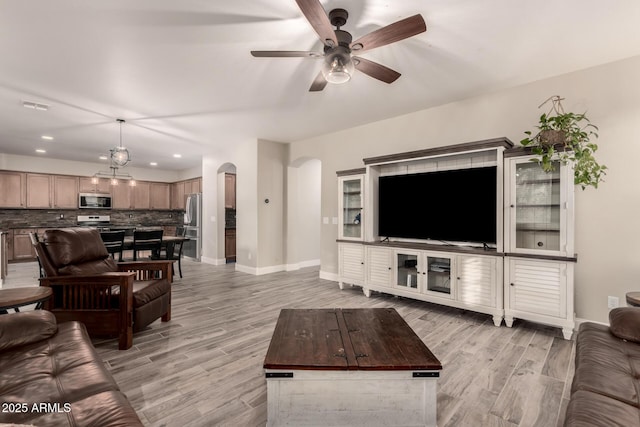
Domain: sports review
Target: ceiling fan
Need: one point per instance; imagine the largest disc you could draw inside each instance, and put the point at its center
(338, 60)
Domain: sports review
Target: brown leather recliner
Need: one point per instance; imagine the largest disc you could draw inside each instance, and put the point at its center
(111, 299)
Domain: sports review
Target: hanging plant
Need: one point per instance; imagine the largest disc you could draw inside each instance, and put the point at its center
(566, 137)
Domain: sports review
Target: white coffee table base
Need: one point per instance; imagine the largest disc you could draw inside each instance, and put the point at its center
(351, 398)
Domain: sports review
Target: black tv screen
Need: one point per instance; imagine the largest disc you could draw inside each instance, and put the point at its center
(451, 206)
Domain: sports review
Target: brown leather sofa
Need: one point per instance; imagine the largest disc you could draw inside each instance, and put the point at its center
(111, 299)
(50, 375)
(606, 386)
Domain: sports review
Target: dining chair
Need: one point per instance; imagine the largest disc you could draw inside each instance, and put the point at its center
(34, 241)
(174, 251)
(114, 242)
(147, 240)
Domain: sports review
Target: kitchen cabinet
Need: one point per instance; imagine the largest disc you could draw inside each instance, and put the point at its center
(65, 192)
(159, 195)
(141, 195)
(230, 190)
(39, 190)
(9, 245)
(121, 195)
(22, 248)
(101, 185)
(12, 189)
(177, 195)
(230, 244)
(193, 186)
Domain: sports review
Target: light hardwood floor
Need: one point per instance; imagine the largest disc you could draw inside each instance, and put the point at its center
(204, 367)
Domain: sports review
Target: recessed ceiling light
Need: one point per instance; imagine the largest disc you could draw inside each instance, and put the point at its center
(40, 150)
(153, 164)
(35, 105)
(177, 156)
(47, 137)
(103, 157)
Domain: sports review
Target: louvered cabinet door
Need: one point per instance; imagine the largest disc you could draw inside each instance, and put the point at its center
(351, 263)
(538, 287)
(379, 262)
(476, 278)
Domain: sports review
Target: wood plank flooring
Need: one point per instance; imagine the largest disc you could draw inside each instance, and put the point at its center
(204, 368)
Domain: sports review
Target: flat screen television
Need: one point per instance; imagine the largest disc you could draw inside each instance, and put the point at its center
(450, 206)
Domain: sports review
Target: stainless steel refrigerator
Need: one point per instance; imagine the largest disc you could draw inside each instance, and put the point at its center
(193, 226)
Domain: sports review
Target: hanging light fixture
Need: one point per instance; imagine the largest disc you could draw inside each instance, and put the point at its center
(119, 158)
(120, 155)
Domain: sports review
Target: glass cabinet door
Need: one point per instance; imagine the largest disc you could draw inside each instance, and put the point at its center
(438, 272)
(351, 208)
(537, 207)
(406, 271)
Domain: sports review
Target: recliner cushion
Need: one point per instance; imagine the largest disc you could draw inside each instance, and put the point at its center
(76, 246)
(146, 291)
(90, 268)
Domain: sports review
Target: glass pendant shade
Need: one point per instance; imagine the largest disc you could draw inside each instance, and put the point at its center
(120, 156)
(338, 67)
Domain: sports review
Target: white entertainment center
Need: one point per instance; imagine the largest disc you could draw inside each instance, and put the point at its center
(527, 273)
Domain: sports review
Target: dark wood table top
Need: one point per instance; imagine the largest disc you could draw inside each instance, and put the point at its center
(633, 298)
(347, 339)
(18, 297)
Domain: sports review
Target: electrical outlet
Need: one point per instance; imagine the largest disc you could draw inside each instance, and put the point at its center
(61, 216)
(613, 302)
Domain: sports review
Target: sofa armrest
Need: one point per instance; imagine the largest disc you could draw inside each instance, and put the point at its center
(18, 329)
(146, 270)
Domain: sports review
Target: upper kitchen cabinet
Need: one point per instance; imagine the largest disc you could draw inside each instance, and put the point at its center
(122, 195)
(177, 195)
(193, 186)
(159, 195)
(12, 189)
(94, 185)
(230, 190)
(39, 190)
(180, 189)
(65, 192)
(141, 195)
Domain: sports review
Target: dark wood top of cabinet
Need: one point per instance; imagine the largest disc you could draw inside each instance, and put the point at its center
(347, 339)
(437, 151)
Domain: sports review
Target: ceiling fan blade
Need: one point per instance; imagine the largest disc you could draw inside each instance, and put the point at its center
(318, 84)
(397, 31)
(317, 17)
(375, 70)
(285, 54)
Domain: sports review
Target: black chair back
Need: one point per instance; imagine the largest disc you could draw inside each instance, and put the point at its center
(147, 240)
(114, 242)
(34, 241)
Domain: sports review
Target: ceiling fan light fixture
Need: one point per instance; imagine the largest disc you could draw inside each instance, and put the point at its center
(338, 66)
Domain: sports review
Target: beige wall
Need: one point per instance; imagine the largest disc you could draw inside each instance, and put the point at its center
(303, 213)
(607, 231)
(271, 176)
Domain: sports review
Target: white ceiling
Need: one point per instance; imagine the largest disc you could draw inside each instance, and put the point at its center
(180, 73)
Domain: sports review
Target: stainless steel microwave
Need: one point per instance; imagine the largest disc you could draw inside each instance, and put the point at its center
(94, 201)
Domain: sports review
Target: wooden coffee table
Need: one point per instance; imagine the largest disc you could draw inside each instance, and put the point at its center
(18, 297)
(352, 367)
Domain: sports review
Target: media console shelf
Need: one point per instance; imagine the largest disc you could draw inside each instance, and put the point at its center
(527, 273)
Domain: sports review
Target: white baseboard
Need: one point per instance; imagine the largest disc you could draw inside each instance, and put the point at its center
(329, 276)
(302, 264)
(259, 271)
(580, 321)
(213, 261)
